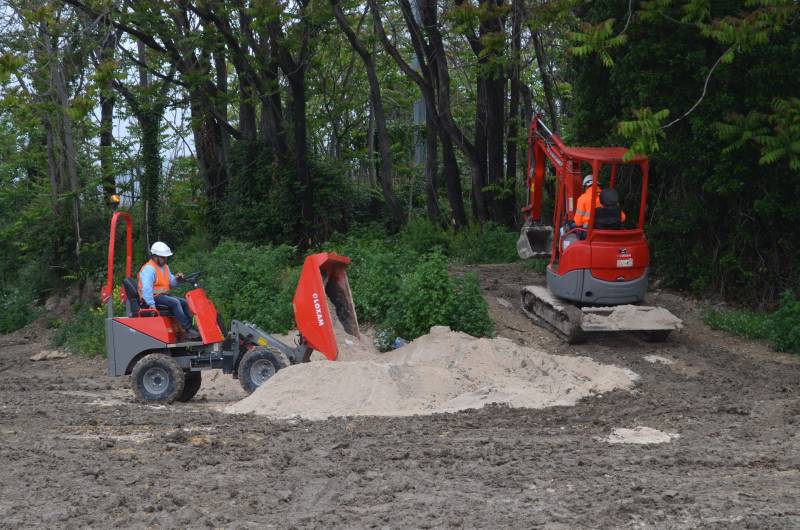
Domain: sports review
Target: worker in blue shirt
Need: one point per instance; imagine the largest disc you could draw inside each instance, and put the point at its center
(155, 282)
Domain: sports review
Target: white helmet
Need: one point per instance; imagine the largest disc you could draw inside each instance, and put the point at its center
(588, 180)
(160, 249)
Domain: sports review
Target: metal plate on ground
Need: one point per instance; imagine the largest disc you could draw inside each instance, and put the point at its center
(629, 318)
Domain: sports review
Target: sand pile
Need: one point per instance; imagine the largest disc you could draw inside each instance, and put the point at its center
(443, 371)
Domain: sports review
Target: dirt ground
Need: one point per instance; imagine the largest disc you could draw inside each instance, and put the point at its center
(76, 451)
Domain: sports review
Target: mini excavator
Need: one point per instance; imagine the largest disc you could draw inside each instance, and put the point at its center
(596, 273)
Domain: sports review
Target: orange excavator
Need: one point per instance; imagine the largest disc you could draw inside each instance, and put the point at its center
(597, 272)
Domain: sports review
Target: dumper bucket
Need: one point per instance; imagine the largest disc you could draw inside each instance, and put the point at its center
(323, 281)
(535, 241)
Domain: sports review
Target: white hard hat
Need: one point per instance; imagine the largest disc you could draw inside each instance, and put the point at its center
(588, 180)
(160, 249)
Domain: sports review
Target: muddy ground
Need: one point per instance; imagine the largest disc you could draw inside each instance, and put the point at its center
(76, 451)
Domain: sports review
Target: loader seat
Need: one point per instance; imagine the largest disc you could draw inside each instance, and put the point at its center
(135, 304)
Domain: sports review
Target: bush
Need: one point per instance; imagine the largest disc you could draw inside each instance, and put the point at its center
(429, 296)
(426, 298)
(15, 309)
(404, 290)
(84, 333)
(784, 326)
(490, 243)
(748, 324)
(248, 282)
(781, 327)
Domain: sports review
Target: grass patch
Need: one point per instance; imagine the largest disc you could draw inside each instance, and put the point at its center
(84, 333)
(780, 327)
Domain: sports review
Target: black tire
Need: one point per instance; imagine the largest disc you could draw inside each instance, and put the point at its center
(656, 336)
(157, 378)
(191, 387)
(258, 365)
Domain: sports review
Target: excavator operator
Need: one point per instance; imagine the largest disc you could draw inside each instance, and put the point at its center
(584, 205)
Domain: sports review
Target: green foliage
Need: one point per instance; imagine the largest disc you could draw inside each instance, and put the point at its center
(596, 39)
(781, 327)
(15, 309)
(429, 296)
(262, 203)
(402, 286)
(247, 282)
(784, 328)
(644, 132)
(488, 243)
(720, 214)
(83, 334)
(470, 309)
(748, 324)
(777, 135)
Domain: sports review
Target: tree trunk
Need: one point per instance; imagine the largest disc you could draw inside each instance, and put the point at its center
(479, 199)
(547, 81)
(149, 122)
(452, 180)
(513, 104)
(431, 171)
(107, 118)
(376, 102)
(305, 221)
(64, 136)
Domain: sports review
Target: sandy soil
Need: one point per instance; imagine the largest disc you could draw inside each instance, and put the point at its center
(77, 452)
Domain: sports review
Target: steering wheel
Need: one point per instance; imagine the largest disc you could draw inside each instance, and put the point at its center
(192, 277)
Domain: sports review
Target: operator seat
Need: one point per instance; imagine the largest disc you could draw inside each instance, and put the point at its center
(135, 303)
(609, 215)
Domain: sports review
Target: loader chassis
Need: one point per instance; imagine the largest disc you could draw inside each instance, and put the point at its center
(147, 344)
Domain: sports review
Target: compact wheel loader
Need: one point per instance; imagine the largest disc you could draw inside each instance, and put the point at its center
(596, 275)
(146, 343)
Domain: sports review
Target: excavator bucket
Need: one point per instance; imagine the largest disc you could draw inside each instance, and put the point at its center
(323, 283)
(535, 241)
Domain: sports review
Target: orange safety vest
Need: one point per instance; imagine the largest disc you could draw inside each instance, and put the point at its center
(584, 205)
(161, 285)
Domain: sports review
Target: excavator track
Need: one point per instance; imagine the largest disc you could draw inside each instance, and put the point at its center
(545, 309)
(573, 324)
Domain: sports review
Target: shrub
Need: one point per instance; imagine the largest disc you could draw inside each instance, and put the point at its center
(748, 324)
(490, 243)
(84, 333)
(429, 296)
(470, 310)
(248, 282)
(426, 298)
(784, 326)
(15, 309)
(781, 327)
(421, 236)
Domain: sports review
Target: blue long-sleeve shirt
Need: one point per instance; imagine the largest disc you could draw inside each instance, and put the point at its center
(147, 276)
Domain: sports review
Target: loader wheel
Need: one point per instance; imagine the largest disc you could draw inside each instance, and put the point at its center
(191, 387)
(158, 378)
(257, 366)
